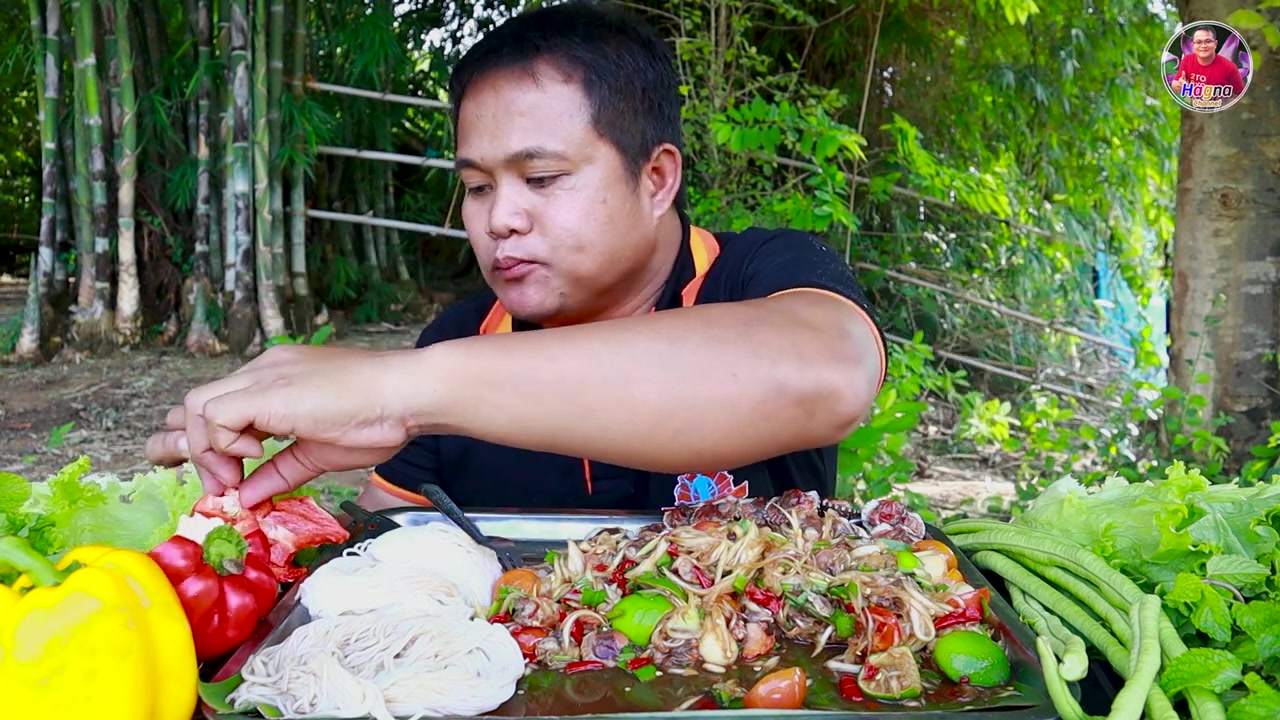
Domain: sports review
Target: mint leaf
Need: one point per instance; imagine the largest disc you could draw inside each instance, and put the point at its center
(1209, 668)
(1262, 702)
(1206, 607)
(1238, 570)
(1260, 619)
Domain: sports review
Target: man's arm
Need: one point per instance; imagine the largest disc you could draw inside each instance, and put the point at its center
(719, 385)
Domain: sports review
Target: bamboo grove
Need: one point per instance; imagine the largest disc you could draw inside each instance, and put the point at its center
(200, 185)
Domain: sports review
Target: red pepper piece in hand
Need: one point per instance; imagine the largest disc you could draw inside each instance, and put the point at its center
(226, 585)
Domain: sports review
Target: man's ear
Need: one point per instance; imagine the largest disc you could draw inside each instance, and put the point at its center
(661, 177)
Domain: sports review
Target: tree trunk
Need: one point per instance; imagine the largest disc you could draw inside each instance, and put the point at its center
(268, 300)
(1225, 319)
(242, 320)
(129, 291)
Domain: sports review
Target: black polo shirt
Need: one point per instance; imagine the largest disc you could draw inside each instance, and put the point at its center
(755, 263)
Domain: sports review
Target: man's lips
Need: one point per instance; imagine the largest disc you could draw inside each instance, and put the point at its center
(513, 268)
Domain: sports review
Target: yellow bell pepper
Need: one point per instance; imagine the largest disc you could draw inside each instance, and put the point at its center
(100, 635)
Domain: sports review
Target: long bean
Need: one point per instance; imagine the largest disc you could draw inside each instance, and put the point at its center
(1084, 592)
(1158, 704)
(1075, 660)
(1144, 657)
(1059, 693)
(1115, 586)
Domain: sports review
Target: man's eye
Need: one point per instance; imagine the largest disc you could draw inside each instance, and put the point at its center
(543, 180)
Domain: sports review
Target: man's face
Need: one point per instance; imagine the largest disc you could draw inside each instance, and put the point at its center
(1205, 46)
(560, 228)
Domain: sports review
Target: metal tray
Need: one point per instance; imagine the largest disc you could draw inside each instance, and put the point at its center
(535, 532)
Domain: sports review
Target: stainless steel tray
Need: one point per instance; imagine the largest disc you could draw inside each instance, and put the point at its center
(536, 532)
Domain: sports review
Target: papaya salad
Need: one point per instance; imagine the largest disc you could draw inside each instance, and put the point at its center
(751, 585)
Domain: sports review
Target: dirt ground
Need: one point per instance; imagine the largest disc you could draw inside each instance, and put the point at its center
(105, 407)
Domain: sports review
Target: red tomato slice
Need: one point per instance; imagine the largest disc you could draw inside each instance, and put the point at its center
(527, 638)
(779, 690)
(887, 632)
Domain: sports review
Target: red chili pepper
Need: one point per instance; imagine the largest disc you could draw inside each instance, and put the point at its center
(601, 567)
(619, 577)
(702, 578)
(226, 585)
(639, 662)
(672, 551)
(563, 615)
(969, 614)
(501, 618)
(870, 671)
(578, 631)
(849, 689)
(706, 702)
(583, 665)
(764, 598)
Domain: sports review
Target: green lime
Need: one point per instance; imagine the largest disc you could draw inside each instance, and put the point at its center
(637, 614)
(972, 655)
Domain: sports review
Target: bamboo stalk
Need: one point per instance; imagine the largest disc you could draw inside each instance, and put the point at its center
(30, 332)
(375, 95)
(80, 176)
(996, 307)
(275, 96)
(297, 178)
(269, 315)
(129, 297)
(84, 35)
(49, 74)
(242, 320)
(393, 235)
(379, 156)
(200, 338)
(341, 217)
(976, 363)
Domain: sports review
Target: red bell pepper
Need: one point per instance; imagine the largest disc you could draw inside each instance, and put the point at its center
(973, 610)
(226, 585)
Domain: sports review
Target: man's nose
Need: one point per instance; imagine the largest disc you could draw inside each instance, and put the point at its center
(509, 214)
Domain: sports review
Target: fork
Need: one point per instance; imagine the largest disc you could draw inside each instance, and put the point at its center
(508, 558)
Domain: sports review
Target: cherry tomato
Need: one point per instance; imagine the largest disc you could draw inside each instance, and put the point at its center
(938, 547)
(887, 632)
(527, 638)
(955, 575)
(522, 579)
(779, 690)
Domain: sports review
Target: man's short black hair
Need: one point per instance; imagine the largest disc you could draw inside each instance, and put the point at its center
(625, 69)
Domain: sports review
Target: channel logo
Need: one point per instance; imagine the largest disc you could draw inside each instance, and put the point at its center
(1207, 66)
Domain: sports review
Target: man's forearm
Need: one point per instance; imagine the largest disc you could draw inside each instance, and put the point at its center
(713, 386)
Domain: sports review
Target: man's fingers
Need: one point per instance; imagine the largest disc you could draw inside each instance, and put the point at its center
(176, 419)
(285, 471)
(167, 448)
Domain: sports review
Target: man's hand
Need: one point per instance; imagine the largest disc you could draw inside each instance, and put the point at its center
(340, 404)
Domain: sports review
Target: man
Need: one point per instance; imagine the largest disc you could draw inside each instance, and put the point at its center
(1205, 67)
(622, 358)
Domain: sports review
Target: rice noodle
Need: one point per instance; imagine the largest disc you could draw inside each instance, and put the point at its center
(394, 632)
(425, 661)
